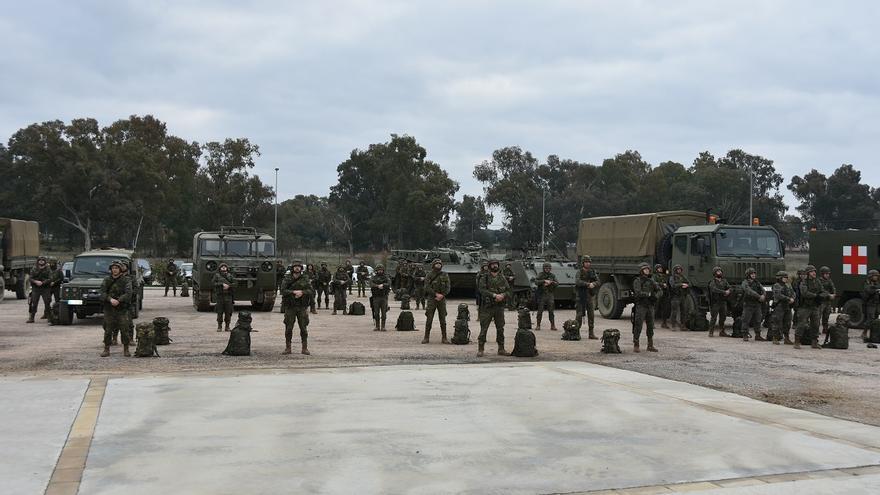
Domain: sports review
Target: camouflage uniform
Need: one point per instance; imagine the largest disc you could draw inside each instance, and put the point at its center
(41, 279)
(490, 285)
(678, 294)
(545, 287)
(585, 294)
(313, 280)
(379, 297)
(719, 293)
(404, 280)
(829, 293)
(484, 269)
(437, 283)
(871, 294)
(323, 285)
(171, 273)
(116, 318)
(753, 292)
(131, 305)
(510, 277)
(419, 294)
(783, 300)
(279, 274)
(56, 280)
(808, 310)
(662, 307)
(225, 297)
(340, 283)
(363, 274)
(349, 269)
(646, 291)
(297, 308)
(801, 276)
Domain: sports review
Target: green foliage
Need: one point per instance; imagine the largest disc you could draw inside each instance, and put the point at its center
(472, 220)
(837, 202)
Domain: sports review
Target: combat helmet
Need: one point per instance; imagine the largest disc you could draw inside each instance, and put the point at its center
(435, 261)
(781, 274)
(677, 267)
(809, 268)
(873, 273)
(586, 258)
(843, 319)
(716, 269)
(295, 263)
(117, 263)
(222, 265)
(380, 266)
(546, 265)
(658, 266)
(642, 267)
(750, 270)
(824, 269)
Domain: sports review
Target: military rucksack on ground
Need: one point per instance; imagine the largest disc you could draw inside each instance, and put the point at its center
(463, 312)
(524, 344)
(874, 332)
(571, 330)
(696, 322)
(161, 328)
(146, 343)
(240, 336)
(838, 337)
(461, 334)
(737, 328)
(357, 309)
(405, 322)
(404, 301)
(184, 289)
(611, 341)
(523, 318)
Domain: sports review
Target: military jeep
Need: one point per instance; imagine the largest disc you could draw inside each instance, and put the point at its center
(81, 294)
(250, 256)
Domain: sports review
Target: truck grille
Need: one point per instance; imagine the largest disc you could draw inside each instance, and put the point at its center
(766, 270)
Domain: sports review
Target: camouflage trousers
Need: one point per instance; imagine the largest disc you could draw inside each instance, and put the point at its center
(825, 313)
(38, 293)
(224, 309)
(662, 308)
(487, 315)
(322, 289)
(585, 307)
(718, 312)
(870, 313)
(549, 302)
(419, 296)
(172, 283)
(643, 313)
(300, 316)
(438, 306)
(677, 310)
(340, 299)
(116, 320)
(781, 323)
(751, 318)
(379, 308)
(808, 323)
(362, 286)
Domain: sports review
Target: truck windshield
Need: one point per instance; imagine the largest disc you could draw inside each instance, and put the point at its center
(747, 242)
(92, 266)
(236, 247)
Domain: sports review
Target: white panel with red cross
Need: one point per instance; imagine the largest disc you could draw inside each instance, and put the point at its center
(855, 260)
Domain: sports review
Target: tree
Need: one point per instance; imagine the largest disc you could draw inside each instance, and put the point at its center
(837, 202)
(231, 195)
(472, 219)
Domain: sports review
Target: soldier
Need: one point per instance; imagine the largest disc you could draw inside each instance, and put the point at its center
(510, 277)
(437, 287)
(753, 298)
(829, 293)
(56, 280)
(646, 291)
(41, 279)
(349, 269)
(279, 273)
(808, 309)
(586, 284)
(116, 293)
(340, 283)
(661, 311)
(312, 274)
(363, 274)
(719, 292)
(404, 279)
(297, 289)
(323, 285)
(494, 292)
(484, 270)
(783, 301)
(801, 276)
(545, 287)
(872, 299)
(678, 293)
(224, 289)
(171, 272)
(130, 278)
(380, 284)
(418, 278)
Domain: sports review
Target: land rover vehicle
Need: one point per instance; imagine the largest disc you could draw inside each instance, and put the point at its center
(81, 294)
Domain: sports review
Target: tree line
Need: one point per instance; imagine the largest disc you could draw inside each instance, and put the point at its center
(133, 184)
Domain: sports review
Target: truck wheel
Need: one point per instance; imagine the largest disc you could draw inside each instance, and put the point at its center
(2, 288)
(200, 305)
(267, 305)
(23, 288)
(65, 313)
(855, 308)
(610, 305)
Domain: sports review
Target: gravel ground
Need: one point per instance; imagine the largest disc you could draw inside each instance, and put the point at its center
(831, 382)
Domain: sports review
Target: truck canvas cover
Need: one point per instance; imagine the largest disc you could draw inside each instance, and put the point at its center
(631, 235)
(22, 238)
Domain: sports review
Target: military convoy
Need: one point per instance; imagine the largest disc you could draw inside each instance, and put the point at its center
(19, 249)
(251, 258)
(81, 293)
(618, 244)
(849, 254)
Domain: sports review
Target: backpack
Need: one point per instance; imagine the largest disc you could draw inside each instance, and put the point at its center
(838, 337)
(610, 341)
(874, 332)
(697, 322)
(184, 288)
(161, 328)
(404, 301)
(357, 309)
(463, 312)
(146, 345)
(524, 344)
(571, 330)
(462, 334)
(405, 322)
(240, 337)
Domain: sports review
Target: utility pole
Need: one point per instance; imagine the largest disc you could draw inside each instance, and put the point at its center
(543, 200)
(276, 207)
(751, 193)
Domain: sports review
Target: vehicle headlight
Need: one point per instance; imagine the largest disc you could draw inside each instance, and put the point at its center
(266, 266)
(211, 266)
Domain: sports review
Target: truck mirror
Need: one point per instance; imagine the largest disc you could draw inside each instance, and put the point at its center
(67, 274)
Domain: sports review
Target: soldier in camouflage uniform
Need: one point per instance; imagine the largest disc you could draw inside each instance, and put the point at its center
(297, 288)
(340, 283)
(131, 305)
(719, 292)
(224, 290)
(404, 279)
(437, 287)
(830, 292)
(510, 277)
(41, 280)
(871, 294)
(753, 298)
(312, 274)
(484, 270)
(323, 285)
(678, 294)
(801, 276)
(380, 284)
(56, 280)
(783, 300)
(586, 284)
(171, 273)
(646, 292)
(545, 287)
(662, 308)
(279, 273)
(363, 275)
(494, 292)
(808, 310)
(419, 294)
(117, 295)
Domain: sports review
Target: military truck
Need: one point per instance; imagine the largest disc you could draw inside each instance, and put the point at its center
(250, 256)
(81, 294)
(19, 249)
(849, 254)
(527, 268)
(618, 244)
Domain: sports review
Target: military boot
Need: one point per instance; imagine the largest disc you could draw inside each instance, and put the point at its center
(305, 348)
(106, 352)
(334, 311)
(219, 327)
(125, 350)
(427, 336)
(45, 316)
(382, 327)
(553, 326)
(651, 347)
(712, 331)
(501, 351)
(443, 339)
(746, 337)
(776, 340)
(788, 340)
(286, 347)
(538, 325)
(797, 342)
(376, 329)
(313, 311)
(226, 327)
(816, 344)
(864, 332)
(31, 318)
(664, 324)
(592, 335)
(758, 337)
(723, 333)
(636, 345)
(480, 348)
(115, 340)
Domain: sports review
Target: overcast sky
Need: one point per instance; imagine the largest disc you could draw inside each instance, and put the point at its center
(794, 81)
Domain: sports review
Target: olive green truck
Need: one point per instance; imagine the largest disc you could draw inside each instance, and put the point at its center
(19, 249)
(618, 244)
(849, 254)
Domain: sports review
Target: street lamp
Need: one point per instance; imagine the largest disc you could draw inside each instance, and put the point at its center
(276, 205)
(543, 200)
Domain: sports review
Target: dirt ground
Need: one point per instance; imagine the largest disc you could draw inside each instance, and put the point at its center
(837, 383)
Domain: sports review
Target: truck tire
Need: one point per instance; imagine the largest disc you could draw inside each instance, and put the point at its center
(267, 305)
(855, 308)
(201, 306)
(65, 314)
(610, 305)
(23, 287)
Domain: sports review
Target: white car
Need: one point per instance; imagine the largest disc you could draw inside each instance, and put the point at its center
(355, 275)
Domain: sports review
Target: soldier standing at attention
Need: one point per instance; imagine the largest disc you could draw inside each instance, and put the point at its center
(484, 270)
(297, 289)
(380, 284)
(363, 274)
(132, 302)
(510, 277)
(753, 298)
(171, 272)
(41, 279)
(312, 274)
(224, 289)
(829, 293)
(340, 283)
(116, 293)
(646, 291)
(783, 300)
(404, 281)
(661, 311)
(56, 280)
(418, 277)
(872, 299)
(545, 283)
(349, 269)
(437, 287)
(801, 276)
(324, 279)
(719, 292)
(586, 284)
(678, 291)
(494, 293)
(808, 310)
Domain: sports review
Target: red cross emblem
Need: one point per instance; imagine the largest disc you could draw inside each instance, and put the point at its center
(855, 260)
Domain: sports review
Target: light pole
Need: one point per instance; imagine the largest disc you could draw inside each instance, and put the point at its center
(751, 194)
(276, 205)
(543, 200)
